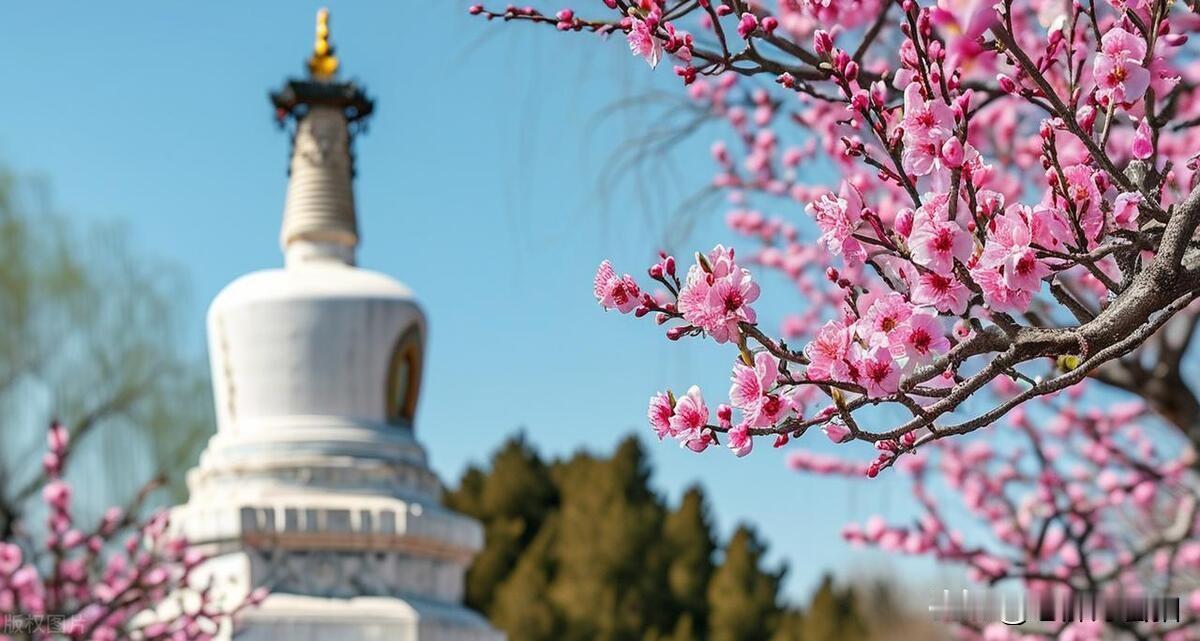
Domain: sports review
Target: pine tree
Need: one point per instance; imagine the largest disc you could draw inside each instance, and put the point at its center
(741, 596)
(520, 607)
(789, 626)
(833, 615)
(687, 535)
(512, 500)
(821, 618)
(611, 572)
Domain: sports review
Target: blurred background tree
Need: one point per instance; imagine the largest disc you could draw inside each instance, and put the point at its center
(584, 549)
(92, 336)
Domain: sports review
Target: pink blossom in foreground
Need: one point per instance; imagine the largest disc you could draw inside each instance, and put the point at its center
(878, 371)
(943, 292)
(1118, 69)
(642, 42)
(839, 217)
(717, 296)
(936, 244)
(691, 414)
(924, 337)
(613, 292)
(659, 414)
(828, 352)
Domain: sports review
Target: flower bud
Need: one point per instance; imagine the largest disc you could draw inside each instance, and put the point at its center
(822, 43)
(747, 25)
(952, 153)
(904, 222)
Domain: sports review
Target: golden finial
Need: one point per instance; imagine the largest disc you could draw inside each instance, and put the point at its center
(323, 63)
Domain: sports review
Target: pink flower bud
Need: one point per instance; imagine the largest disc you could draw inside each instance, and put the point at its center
(860, 101)
(836, 433)
(878, 93)
(475, 9)
(57, 438)
(822, 42)
(904, 222)
(1086, 117)
(851, 70)
(1143, 147)
(724, 10)
(747, 25)
(952, 153)
(57, 494)
(1006, 84)
(770, 24)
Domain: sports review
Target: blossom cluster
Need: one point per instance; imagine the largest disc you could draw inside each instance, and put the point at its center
(983, 204)
(107, 582)
(1059, 518)
(953, 222)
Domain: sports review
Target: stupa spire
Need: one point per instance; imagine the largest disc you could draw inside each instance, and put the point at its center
(324, 63)
(319, 221)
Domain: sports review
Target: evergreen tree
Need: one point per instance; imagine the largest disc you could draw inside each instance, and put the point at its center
(741, 596)
(611, 572)
(687, 534)
(833, 615)
(520, 607)
(821, 620)
(512, 501)
(789, 626)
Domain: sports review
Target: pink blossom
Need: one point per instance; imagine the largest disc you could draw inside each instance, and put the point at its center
(943, 292)
(697, 441)
(10, 558)
(1086, 199)
(998, 294)
(659, 413)
(57, 438)
(839, 217)
(752, 392)
(717, 296)
(885, 319)
(827, 353)
(924, 337)
(936, 244)
(928, 125)
(747, 25)
(1118, 68)
(620, 293)
(642, 42)
(740, 441)
(751, 384)
(691, 414)
(1009, 265)
(878, 371)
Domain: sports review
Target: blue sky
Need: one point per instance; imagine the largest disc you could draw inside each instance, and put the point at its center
(478, 186)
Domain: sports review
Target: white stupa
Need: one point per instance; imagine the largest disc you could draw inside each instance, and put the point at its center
(315, 485)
